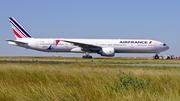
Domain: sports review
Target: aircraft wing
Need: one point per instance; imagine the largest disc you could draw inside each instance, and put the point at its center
(17, 42)
(83, 45)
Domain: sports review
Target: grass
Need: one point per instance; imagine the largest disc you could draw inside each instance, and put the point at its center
(88, 82)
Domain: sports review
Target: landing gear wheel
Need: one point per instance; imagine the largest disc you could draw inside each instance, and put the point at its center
(156, 57)
(87, 56)
(90, 57)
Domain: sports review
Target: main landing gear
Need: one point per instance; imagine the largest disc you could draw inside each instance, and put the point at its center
(156, 56)
(87, 56)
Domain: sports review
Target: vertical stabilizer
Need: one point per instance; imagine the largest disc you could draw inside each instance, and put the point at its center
(18, 30)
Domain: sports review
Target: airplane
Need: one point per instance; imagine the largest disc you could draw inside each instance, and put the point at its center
(104, 47)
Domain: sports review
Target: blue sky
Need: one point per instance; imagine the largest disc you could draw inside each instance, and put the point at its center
(140, 19)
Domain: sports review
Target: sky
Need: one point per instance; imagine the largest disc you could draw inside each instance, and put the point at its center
(129, 19)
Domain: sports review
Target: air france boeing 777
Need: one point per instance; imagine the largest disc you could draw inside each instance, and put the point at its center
(104, 47)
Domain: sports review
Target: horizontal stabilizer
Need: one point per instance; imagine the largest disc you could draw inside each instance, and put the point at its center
(17, 42)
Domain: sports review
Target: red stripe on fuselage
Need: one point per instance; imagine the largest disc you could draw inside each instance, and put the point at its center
(16, 34)
(57, 41)
(150, 42)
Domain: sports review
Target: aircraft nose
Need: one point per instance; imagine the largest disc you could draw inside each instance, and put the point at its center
(167, 47)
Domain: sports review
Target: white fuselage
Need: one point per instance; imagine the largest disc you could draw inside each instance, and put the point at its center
(104, 47)
(119, 45)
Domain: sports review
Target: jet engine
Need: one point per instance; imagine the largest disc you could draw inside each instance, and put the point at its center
(107, 51)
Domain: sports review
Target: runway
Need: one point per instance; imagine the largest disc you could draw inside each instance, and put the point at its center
(57, 62)
(153, 65)
(36, 62)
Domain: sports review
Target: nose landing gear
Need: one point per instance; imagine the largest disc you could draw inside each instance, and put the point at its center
(156, 56)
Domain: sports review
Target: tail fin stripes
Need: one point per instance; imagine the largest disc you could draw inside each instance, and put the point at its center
(18, 30)
(16, 34)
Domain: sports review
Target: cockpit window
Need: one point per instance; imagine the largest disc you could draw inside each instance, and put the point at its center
(164, 44)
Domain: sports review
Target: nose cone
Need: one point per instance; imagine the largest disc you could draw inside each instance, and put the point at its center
(166, 48)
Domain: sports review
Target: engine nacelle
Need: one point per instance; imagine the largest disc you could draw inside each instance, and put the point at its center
(107, 51)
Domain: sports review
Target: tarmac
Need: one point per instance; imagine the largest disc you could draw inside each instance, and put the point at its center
(57, 62)
(153, 65)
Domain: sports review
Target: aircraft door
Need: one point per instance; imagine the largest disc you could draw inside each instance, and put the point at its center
(132, 45)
